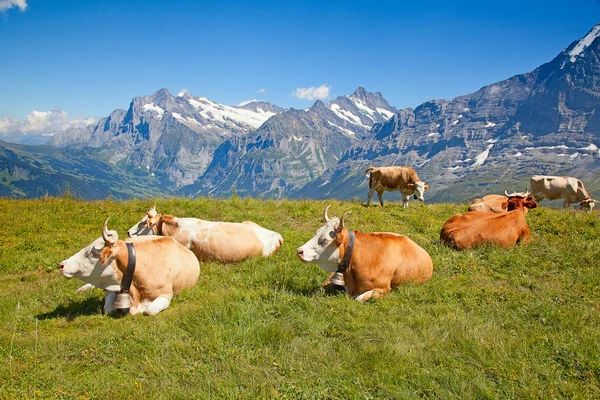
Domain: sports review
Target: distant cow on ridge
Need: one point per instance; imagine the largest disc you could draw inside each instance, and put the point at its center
(402, 178)
(561, 187)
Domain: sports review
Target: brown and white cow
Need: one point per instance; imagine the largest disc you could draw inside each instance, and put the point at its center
(495, 202)
(163, 268)
(400, 178)
(379, 261)
(478, 228)
(560, 187)
(211, 241)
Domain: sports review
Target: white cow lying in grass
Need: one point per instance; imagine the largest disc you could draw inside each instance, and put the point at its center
(163, 267)
(211, 241)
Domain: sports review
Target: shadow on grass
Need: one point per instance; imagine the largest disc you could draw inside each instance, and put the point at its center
(73, 310)
(327, 290)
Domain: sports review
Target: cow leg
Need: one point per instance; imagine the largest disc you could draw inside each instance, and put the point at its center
(85, 288)
(567, 203)
(380, 195)
(372, 294)
(371, 191)
(405, 200)
(524, 238)
(109, 302)
(159, 304)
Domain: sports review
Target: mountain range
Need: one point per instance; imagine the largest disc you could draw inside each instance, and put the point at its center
(541, 122)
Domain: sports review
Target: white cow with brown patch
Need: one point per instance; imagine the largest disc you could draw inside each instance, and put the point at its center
(377, 263)
(561, 187)
(163, 268)
(211, 241)
(400, 178)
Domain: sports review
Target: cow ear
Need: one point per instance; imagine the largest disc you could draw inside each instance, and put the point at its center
(530, 204)
(504, 205)
(411, 185)
(426, 186)
(106, 254)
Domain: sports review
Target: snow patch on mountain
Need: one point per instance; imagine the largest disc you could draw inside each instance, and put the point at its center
(151, 107)
(585, 42)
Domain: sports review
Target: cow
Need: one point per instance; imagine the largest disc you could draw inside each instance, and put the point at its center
(478, 228)
(560, 187)
(401, 178)
(378, 262)
(163, 267)
(211, 241)
(494, 202)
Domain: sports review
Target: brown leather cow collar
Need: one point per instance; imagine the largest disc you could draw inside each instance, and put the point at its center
(347, 254)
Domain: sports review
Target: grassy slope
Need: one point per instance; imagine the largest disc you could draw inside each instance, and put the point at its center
(518, 323)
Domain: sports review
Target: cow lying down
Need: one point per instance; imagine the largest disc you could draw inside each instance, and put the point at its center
(478, 228)
(211, 241)
(163, 267)
(378, 262)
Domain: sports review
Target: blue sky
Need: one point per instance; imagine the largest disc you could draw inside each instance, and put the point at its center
(89, 57)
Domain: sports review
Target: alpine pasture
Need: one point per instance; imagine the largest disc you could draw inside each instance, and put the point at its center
(491, 323)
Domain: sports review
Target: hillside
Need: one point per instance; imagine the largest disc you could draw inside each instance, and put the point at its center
(491, 323)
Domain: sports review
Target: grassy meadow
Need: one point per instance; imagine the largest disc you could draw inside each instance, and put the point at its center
(491, 323)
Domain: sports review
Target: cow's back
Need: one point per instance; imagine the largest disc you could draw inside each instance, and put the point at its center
(164, 261)
(476, 228)
(396, 177)
(388, 259)
(554, 187)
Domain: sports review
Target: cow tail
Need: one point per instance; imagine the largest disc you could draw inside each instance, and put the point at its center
(369, 170)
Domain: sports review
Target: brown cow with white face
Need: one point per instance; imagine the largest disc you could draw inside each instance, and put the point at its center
(163, 267)
(478, 228)
(400, 178)
(211, 241)
(379, 261)
(495, 202)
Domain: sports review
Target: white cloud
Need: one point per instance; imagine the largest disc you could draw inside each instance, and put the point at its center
(44, 123)
(182, 92)
(262, 90)
(312, 93)
(6, 4)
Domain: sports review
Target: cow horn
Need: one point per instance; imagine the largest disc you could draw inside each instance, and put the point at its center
(527, 192)
(341, 225)
(325, 214)
(506, 192)
(110, 237)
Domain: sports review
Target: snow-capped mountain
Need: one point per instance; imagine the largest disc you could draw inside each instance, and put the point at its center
(542, 122)
(292, 148)
(173, 137)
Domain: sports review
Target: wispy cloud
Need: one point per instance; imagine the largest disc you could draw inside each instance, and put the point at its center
(312, 93)
(183, 91)
(262, 90)
(41, 123)
(6, 4)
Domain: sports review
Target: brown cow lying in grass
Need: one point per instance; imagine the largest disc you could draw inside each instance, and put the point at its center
(478, 228)
(377, 263)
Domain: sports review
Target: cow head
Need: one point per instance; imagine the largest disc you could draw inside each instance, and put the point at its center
(418, 189)
(519, 203)
(588, 204)
(145, 226)
(91, 264)
(323, 248)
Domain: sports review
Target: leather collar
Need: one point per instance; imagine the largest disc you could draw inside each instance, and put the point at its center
(128, 275)
(348, 254)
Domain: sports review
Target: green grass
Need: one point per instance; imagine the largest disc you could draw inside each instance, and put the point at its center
(491, 323)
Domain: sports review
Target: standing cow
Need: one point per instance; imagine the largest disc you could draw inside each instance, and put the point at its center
(163, 267)
(402, 178)
(211, 241)
(478, 228)
(373, 263)
(561, 187)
